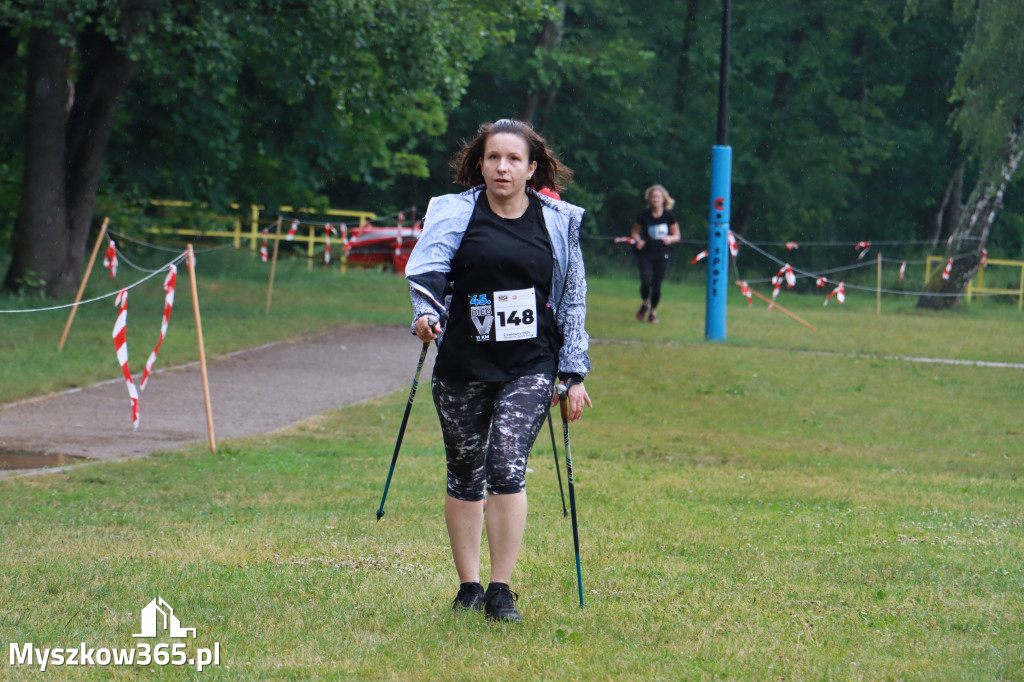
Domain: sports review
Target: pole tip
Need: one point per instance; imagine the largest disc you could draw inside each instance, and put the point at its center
(380, 514)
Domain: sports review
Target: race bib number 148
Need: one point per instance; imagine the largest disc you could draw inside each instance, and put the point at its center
(515, 315)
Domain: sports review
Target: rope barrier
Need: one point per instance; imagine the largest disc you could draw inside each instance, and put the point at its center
(120, 254)
(100, 298)
(157, 247)
(855, 266)
(893, 242)
(755, 246)
(802, 244)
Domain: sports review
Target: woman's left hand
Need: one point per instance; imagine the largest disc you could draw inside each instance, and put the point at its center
(576, 398)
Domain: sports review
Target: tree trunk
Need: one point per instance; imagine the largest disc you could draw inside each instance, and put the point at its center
(550, 37)
(40, 242)
(683, 73)
(107, 74)
(971, 233)
(67, 132)
(952, 204)
(8, 44)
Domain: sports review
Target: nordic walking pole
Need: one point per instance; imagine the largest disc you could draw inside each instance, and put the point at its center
(405, 419)
(85, 280)
(558, 473)
(563, 403)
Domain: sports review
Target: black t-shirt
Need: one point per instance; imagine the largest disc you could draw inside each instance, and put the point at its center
(500, 326)
(653, 229)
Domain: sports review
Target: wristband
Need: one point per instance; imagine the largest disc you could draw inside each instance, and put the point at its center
(570, 379)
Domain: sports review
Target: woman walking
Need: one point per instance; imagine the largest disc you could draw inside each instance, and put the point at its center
(653, 231)
(503, 264)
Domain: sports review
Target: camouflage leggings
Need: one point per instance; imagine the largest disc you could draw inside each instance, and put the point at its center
(489, 428)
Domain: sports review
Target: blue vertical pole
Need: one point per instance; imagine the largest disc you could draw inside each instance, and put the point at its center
(721, 183)
(718, 243)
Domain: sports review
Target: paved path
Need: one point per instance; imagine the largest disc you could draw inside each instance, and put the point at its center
(252, 392)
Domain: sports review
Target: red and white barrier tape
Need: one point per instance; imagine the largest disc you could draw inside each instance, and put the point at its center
(865, 247)
(120, 336)
(839, 292)
(169, 284)
(785, 273)
(328, 231)
(110, 258)
(745, 290)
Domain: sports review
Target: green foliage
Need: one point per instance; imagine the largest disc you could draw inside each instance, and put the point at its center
(271, 101)
(314, 93)
(838, 115)
(989, 90)
(846, 118)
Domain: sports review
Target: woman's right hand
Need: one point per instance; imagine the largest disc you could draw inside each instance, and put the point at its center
(424, 331)
(640, 243)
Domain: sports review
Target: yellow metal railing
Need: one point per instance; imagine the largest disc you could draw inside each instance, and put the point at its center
(257, 216)
(977, 284)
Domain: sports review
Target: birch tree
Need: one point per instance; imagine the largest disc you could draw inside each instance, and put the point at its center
(989, 94)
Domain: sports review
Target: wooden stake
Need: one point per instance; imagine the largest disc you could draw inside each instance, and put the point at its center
(781, 309)
(85, 280)
(191, 260)
(878, 288)
(273, 263)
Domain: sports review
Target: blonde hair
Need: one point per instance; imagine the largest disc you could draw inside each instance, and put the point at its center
(669, 201)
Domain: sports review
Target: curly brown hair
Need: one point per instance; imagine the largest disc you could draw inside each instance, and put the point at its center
(550, 173)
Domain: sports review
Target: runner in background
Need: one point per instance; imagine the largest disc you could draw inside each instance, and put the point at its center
(654, 230)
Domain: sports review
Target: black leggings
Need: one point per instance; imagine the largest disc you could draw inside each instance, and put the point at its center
(652, 272)
(489, 428)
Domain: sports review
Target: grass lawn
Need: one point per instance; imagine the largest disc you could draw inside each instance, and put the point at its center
(785, 505)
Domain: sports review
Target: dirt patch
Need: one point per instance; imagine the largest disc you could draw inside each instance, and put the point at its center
(252, 392)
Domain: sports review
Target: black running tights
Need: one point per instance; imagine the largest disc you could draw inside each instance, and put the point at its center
(488, 429)
(652, 272)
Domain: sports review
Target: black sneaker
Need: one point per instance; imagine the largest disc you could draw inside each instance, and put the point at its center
(470, 597)
(500, 603)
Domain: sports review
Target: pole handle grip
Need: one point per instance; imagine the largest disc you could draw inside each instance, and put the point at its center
(563, 403)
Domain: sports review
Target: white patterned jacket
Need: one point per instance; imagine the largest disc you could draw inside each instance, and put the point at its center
(445, 223)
